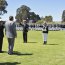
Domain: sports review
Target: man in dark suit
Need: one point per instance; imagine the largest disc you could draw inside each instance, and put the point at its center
(25, 30)
(1, 34)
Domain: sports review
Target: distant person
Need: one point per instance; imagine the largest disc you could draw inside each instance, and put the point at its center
(1, 34)
(10, 29)
(25, 30)
(45, 33)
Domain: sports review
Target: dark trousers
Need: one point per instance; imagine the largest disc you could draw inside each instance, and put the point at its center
(25, 37)
(1, 43)
(11, 45)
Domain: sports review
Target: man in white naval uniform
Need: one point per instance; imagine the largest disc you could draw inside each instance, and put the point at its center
(45, 33)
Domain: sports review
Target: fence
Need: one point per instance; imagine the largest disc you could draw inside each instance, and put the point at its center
(19, 28)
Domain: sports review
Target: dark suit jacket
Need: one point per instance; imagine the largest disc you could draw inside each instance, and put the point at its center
(25, 28)
(1, 31)
(46, 30)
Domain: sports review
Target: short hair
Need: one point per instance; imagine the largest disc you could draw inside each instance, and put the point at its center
(11, 18)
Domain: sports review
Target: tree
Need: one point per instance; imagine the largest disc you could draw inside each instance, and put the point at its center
(49, 18)
(3, 5)
(22, 13)
(63, 16)
(38, 17)
(34, 16)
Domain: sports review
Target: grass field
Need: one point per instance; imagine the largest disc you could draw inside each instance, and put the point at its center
(34, 52)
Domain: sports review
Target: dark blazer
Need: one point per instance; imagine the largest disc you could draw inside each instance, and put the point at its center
(25, 28)
(1, 31)
(46, 30)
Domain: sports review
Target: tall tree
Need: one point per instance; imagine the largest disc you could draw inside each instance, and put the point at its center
(34, 16)
(3, 5)
(63, 16)
(38, 17)
(49, 18)
(22, 12)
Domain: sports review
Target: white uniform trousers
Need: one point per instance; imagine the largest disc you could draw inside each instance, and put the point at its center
(45, 35)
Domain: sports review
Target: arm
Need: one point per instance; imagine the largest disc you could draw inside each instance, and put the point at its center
(14, 30)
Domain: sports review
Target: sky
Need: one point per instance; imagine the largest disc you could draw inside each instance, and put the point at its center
(40, 7)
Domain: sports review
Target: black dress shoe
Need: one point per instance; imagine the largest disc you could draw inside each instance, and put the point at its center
(10, 53)
(45, 42)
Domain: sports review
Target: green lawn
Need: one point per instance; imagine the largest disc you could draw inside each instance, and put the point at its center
(34, 52)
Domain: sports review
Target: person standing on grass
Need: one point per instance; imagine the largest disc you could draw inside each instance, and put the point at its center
(45, 33)
(1, 34)
(10, 30)
(25, 30)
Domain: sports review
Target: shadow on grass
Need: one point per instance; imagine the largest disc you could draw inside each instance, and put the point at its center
(3, 52)
(10, 63)
(31, 42)
(18, 53)
(52, 44)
